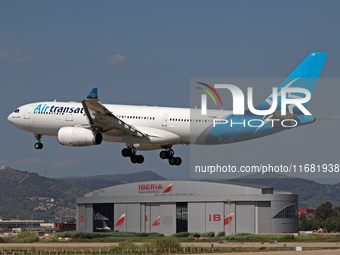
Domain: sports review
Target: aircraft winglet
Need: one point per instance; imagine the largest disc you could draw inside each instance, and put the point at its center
(93, 94)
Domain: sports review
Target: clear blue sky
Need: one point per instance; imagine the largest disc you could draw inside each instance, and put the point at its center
(145, 52)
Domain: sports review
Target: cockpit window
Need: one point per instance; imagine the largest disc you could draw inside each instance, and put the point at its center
(17, 111)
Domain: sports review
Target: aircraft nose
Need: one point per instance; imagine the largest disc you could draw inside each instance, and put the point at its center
(12, 118)
(9, 118)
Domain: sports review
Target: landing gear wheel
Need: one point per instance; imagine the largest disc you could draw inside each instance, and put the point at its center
(168, 153)
(178, 161)
(172, 161)
(140, 159)
(134, 159)
(126, 152)
(164, 154)
(38, 146)
(130, 151)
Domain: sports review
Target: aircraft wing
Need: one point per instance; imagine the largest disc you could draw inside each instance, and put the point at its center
(101, 119)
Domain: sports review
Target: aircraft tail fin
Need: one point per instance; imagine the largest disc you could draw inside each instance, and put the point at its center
(104, 224)
(304, 76)
(93, 94)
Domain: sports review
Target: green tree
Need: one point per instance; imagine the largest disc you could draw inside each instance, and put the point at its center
(303, 222)
(72, 220)
(330, 224)
(337, 228)
(316, 224)
(323, 211)
(27, 237)
(336, 211)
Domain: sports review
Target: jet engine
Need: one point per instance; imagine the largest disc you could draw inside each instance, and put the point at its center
(77, 136)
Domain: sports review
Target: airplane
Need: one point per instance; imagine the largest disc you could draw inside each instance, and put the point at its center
(104, 228)
(160, 128)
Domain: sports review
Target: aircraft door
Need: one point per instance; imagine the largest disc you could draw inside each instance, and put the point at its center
(165, 120)
(69, 117)
(28, 112)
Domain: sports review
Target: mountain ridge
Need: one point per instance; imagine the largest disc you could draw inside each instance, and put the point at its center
(101, 181)
(25, 193)
(311, 193)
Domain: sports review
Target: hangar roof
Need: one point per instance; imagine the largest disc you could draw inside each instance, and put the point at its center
(176, 187)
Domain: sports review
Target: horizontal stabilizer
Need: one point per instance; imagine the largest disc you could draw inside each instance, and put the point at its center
(330, 118)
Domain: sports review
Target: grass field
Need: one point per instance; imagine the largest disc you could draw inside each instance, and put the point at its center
(153, 243)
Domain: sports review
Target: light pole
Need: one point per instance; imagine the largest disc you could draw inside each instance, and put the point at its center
(229, 216)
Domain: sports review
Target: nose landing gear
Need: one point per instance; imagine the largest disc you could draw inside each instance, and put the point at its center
(38, 145)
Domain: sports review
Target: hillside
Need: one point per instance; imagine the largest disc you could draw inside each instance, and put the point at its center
(23, 194)
(102, 181)
(311, 194)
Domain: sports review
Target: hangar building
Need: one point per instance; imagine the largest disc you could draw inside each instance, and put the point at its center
(170, 207)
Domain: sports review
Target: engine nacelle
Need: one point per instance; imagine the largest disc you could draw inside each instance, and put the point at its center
(77, 136)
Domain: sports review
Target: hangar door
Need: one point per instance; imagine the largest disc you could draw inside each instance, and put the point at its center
(245, 217)
(102, 217)
(150, 217)
(181, 217)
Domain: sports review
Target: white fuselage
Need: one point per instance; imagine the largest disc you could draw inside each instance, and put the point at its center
(151, 128)
(165, 125)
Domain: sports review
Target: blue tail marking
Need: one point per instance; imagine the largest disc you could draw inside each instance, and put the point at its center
(304, 76)
(93, 94)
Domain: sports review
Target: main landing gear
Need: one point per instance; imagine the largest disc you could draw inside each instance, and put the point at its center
(168, 153)
(131, 152)
(38, 145)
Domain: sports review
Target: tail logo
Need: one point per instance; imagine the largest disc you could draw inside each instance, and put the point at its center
(121, 220)
(228, 218)
(157, 221)
(168, 189)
